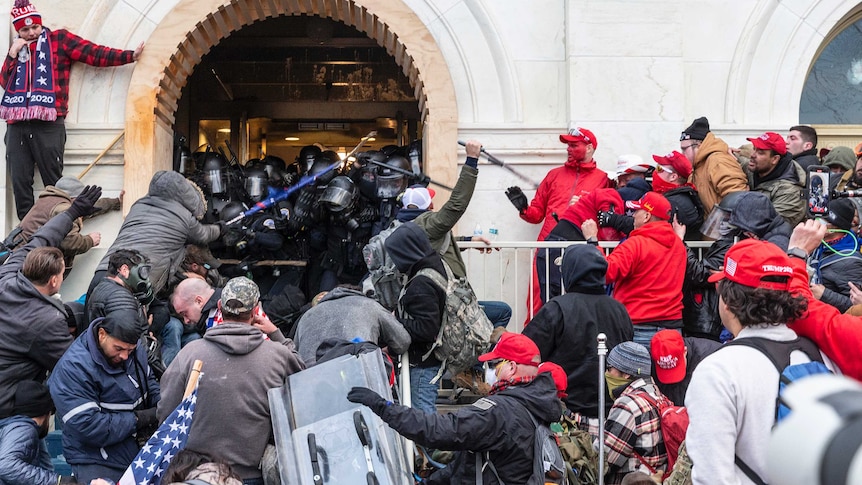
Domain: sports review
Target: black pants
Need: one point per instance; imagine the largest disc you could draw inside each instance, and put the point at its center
(31, 144)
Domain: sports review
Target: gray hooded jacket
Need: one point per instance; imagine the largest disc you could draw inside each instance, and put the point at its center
(160, 225)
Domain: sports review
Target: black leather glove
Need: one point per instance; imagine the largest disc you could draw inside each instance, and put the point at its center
(83, 205)
(620, 222)
(604, 218)
(366, 396)
(517, 197)
(146, 418)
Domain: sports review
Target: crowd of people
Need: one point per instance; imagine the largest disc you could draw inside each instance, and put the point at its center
(701, 333)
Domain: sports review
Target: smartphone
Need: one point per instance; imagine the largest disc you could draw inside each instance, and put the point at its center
(817, 190)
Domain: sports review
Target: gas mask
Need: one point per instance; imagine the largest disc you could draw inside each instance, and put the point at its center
(139, 283)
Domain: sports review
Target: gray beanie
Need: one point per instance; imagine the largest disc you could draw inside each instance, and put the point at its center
(70, 185)
(630, 358)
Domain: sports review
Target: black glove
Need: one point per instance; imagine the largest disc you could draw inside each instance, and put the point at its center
(222, 228)
(620, 222)
(146, 418)
(605, 218)
(366, 396)
(83, 205)
(517, 197)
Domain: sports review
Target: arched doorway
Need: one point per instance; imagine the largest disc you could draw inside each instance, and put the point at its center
(186, 34)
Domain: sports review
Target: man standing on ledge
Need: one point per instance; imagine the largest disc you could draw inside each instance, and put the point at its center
(35, 77)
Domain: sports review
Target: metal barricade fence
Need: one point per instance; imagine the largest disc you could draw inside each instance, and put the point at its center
(505, 273)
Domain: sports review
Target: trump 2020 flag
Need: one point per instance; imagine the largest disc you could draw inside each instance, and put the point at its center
(154, 458)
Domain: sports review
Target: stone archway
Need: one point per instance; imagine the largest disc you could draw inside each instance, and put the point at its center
(193, 27)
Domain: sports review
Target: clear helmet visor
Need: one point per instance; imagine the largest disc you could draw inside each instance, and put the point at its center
(255, 187)
(390, 186)
(216, 181)
(717, 223)
(337, 199)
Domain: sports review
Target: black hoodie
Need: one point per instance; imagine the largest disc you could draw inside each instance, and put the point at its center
(498, 424)
(566, 327)
(421, 306)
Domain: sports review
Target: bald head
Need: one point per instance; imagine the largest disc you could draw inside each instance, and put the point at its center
(189, 298)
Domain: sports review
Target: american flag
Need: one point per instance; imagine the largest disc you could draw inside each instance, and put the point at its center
(156, 455)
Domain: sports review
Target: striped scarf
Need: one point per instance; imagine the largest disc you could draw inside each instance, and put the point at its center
(30, 91)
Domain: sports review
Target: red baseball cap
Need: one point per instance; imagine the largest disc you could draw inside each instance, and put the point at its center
(561, 380)
(580, 134)
(676, 161)
(654, 203)
(757, 264)
(515, 347)
(770, 141)
(667, 350)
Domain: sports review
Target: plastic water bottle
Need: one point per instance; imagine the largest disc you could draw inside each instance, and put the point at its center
(477, 231)
(492, 231)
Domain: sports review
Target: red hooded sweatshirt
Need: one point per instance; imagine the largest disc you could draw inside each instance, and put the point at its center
(647, 271)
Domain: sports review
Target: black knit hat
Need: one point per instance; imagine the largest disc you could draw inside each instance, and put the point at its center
(697, 130)
(841, 212)
(32, 399)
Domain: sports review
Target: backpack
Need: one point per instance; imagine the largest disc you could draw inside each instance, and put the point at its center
(465, 332)
(673, 422)
(549, 467)
(384, 281)
(576, 446)
(779, 354)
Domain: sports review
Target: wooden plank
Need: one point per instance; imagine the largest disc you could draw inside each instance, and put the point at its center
(212, 31)
(294, 7)
(332, 10)
(170, 88)
(305, 6)
(201, 45)
(345, 11)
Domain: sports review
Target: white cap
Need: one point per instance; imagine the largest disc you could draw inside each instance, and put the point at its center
(632, 164)
(417, 196)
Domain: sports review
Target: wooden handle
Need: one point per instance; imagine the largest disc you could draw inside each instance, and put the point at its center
(193, 378)
(99, 156)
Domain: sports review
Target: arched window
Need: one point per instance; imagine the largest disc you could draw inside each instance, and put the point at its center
(833, 90)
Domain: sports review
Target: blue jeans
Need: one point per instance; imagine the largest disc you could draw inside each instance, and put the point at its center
(498, 312)
(644, 334)
(174, 337)
(423, 394)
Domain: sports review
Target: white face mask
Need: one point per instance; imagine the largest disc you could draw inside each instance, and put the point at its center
(490, 375)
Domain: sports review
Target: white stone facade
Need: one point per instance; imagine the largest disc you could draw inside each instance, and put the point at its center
(635, 72)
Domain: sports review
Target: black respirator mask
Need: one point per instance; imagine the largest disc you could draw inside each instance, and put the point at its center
(139, 283)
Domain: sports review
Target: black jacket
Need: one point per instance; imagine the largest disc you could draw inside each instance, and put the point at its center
(697, 349)
(110, 296)
(807, 158)
(498, 424)
(688, 209)
(421, 305)
(566, 327)
(699, 298)
(835, 271)
(563, 231)
(35, 331)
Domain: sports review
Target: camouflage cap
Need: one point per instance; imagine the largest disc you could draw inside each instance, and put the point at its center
(239, 295)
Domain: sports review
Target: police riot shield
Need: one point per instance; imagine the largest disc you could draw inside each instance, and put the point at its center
(322, 438)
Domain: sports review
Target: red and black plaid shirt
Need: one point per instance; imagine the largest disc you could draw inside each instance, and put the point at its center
(67, 48)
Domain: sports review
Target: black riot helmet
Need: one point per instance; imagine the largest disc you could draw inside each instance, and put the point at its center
(717, 224)
(215, 173)
(230, 211)
(320, 166)
(306, 158)
(339, 194)
(274, 168)
(368, 174)
(390, 182)
(255, 183)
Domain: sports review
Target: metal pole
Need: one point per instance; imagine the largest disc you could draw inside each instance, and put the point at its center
(603, 351)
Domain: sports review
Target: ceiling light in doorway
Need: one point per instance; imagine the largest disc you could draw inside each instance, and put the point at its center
(224, 130)
(292, 138)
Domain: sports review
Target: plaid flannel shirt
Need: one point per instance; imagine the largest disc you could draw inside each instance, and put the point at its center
(634, 426)
(67, 48)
